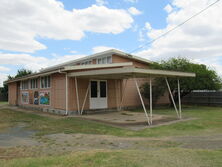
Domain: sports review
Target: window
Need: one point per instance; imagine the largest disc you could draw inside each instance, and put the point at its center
(34, 83)
(25, 84)
(98, 89)
(86, 62)
(45, 82)
(104, 60)
(99, 61)
(109, 60)
(93, 89)
(102, 89)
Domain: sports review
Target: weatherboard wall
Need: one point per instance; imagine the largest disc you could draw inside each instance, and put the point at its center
(57, 91)
(12, 93)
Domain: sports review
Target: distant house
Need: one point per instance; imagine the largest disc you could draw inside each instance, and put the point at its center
(104, 80)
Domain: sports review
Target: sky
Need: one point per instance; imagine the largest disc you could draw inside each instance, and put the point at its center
(37, 34)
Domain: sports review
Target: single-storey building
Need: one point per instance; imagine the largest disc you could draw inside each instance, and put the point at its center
(106, 80)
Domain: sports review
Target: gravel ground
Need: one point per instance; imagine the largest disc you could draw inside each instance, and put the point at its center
(201, 142)
(21, 142)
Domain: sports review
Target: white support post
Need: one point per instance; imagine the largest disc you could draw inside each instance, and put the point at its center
(151, 103)
(141, 99)
(123, 95)
(179, 100)
(67, 94)
(172, 97)
(77, 95)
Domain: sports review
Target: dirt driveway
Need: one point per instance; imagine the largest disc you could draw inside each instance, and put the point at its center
(21, 142)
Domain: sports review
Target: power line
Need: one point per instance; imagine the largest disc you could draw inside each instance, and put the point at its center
(162, 35)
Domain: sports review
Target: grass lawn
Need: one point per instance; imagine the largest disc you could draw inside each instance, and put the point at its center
(3, 102)
(129, 158)
(208, 123)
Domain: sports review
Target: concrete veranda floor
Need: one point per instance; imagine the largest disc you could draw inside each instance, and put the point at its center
(130, 120)
(121, 119)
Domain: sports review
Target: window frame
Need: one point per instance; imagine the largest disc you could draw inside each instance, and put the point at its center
(99, 59)
(111, 60)
(36, 83)
(87, 62)
(48, 81)
(22, 87)
(104, 59)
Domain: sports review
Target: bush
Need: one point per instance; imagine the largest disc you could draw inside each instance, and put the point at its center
(158, 89)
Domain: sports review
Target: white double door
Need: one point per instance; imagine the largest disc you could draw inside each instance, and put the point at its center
(98, 94)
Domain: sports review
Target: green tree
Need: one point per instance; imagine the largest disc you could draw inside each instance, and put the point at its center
(20, 73)
(158, 90)
(206, 78)
(4, 91)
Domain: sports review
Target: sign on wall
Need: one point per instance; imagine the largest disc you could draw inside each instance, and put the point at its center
(36, 98)
(44, 97)
(25, 98)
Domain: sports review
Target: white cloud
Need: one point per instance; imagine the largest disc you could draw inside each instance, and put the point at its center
(168, 8)
(63, 59)
(141, 36)
(200, 39)
(32, 62)
(22, 22)
(73, 51)
(2, 68)
(148, 26)
(3, 77)
(143, 32)
(98, 49)
(66, 48)
(100, 19)
(131, 1)
(135, 28)
(101, 2)
(134, 11)
(26, 60)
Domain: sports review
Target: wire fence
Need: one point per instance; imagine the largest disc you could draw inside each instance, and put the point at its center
(3, 98)
(204, 98)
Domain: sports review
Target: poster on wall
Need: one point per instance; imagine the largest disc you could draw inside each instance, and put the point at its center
(44, 98)
(36, 98)
(25, 98)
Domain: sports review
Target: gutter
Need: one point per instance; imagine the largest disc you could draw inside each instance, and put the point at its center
(34, 75)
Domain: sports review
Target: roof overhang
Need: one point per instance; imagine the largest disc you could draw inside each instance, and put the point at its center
(71, 68)
(96, 66)
(128, 72)
(109, 71)
(35, 75)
